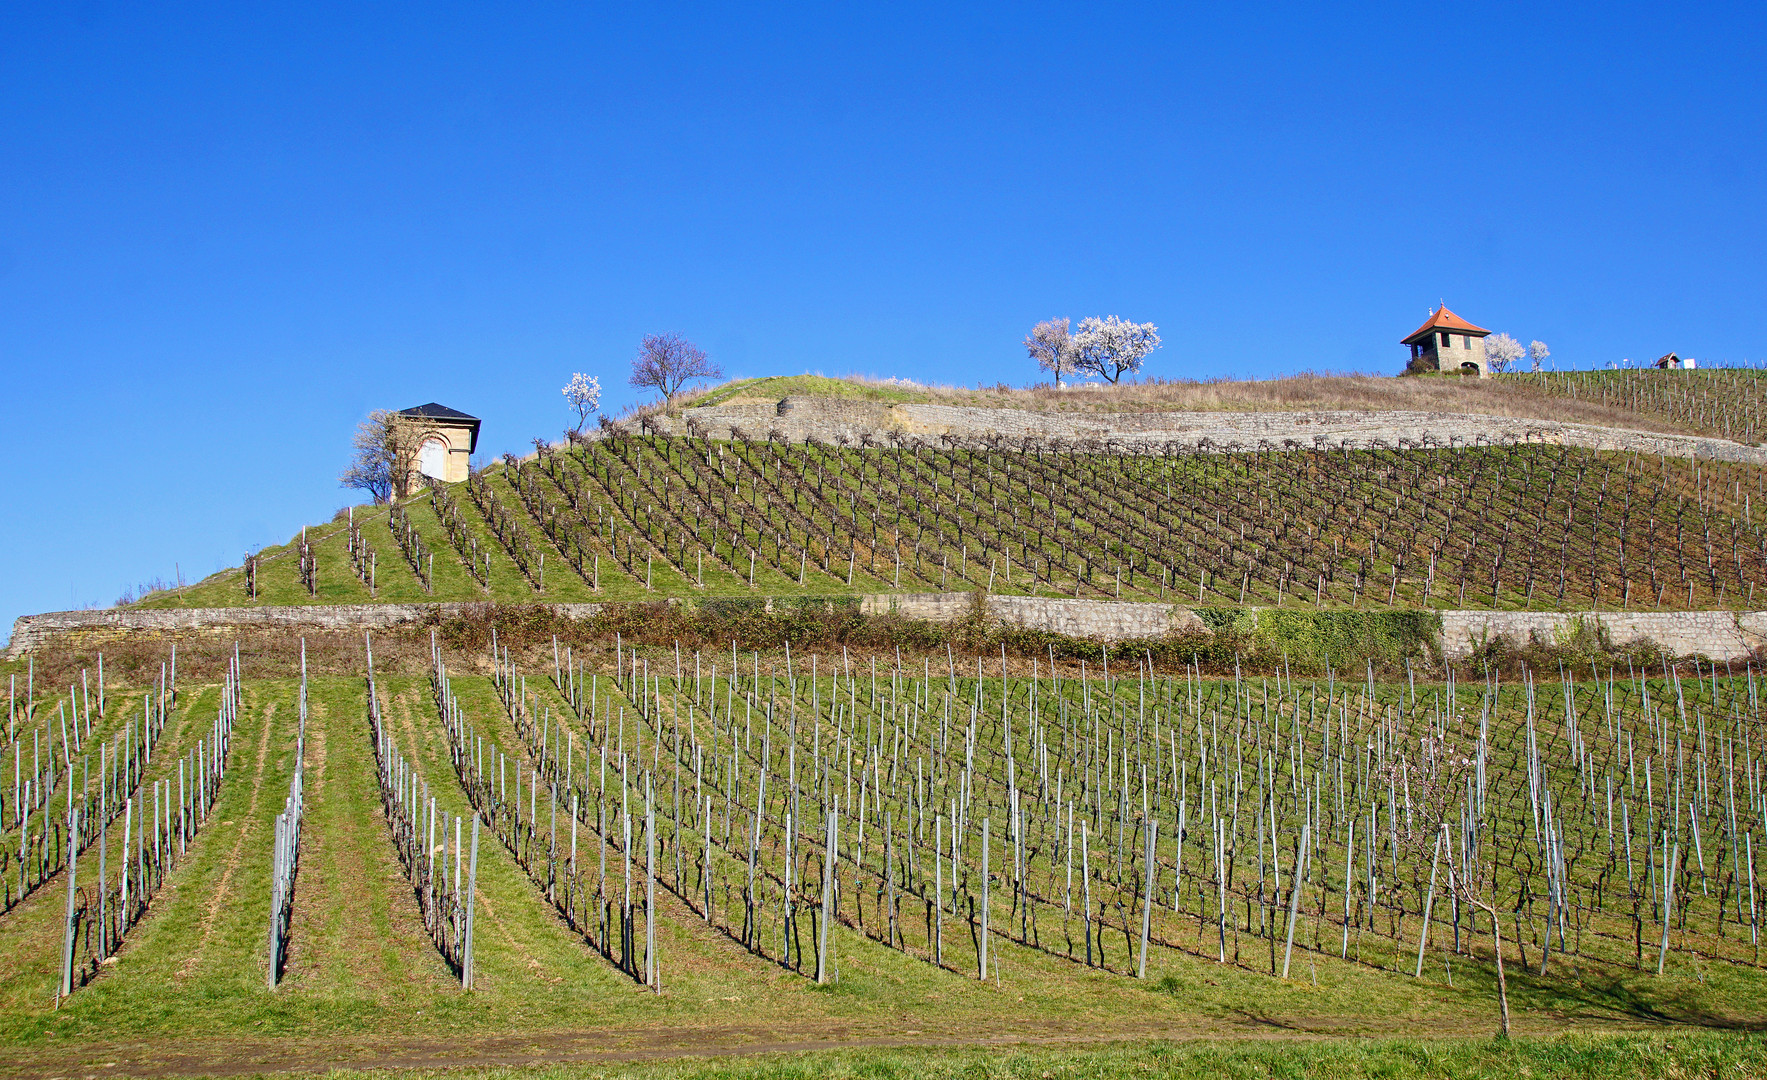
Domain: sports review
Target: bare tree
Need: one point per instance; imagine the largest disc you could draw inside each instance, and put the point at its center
(1441, 782)
(384, 455)
(1052, 347)
(666, 362)
(1501, 350)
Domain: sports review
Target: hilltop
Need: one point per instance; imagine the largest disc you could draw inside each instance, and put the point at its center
(1727, 403)
(881, 491)
(1346, 522)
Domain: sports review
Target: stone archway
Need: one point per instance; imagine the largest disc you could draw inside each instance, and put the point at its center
(432, 458)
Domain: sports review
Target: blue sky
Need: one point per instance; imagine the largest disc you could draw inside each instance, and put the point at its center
(226, 233)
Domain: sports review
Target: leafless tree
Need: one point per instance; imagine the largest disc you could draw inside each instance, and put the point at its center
(384, 456)
(1050, 345)
(1439, 781)
(666, 362)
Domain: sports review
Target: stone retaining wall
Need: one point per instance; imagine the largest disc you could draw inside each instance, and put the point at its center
(31, 631)
(1719, 635)
(1102, 620)
(833, 419)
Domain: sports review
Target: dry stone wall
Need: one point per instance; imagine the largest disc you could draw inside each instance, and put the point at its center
(1720, 635)
(833, 420)
(1103, 620)
(32, 631)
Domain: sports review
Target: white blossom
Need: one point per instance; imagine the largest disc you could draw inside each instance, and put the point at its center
(1501, 350)
(1537, 353)
(1111, 348)
(1051, 345)
(583, 395)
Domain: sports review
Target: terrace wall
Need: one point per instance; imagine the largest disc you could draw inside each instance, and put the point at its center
(1720, 635)
(1103, 620)
(31, 631)
(831, 419)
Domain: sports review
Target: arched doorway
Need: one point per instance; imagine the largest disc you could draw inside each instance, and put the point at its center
(432, 459)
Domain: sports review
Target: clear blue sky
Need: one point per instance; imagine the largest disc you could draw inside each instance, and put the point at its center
(227, 233)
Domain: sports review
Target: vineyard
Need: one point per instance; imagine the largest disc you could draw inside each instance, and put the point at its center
(636, 516)
(1730, 403)
(628, 838)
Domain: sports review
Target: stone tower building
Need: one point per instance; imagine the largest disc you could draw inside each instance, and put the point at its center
(438, 442)
(1448, 342)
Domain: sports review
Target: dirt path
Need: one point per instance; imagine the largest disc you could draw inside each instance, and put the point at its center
(236, 1057)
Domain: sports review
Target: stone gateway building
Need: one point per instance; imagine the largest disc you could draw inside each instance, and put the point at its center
(1448, 342)
(441, 442)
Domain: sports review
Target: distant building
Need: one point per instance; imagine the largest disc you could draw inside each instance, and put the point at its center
(443, 441)
(1448, 342)
(1673, 361)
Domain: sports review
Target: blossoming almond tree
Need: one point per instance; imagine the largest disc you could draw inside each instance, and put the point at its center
(1111, 348)
(1501, 350)
(1052, 346)
(583, 394)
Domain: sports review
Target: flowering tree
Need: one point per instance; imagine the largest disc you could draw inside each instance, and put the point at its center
(1111, 348)
(1052, 347)
(667, 361)
(583, 395)
(1537, 353)
(1501, 350)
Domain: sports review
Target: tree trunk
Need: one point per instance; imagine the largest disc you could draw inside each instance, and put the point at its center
(1502, 984)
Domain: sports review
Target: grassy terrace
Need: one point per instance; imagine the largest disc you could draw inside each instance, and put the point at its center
(1595, 813)
(644, 517)
(1729, 403)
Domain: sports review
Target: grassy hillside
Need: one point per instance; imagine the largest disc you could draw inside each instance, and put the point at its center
(776, 387)
(1292, 827)
(1725, 402)
(643, 517)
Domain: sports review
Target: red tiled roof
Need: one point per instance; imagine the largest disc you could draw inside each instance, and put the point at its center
(1443, 319)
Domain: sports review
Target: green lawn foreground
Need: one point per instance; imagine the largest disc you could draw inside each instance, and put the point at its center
(1609, 1057)
(362, 972)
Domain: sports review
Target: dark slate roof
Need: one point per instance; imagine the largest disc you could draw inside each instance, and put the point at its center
(433, 411)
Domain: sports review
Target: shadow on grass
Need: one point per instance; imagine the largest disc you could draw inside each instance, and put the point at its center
(1673, 1000)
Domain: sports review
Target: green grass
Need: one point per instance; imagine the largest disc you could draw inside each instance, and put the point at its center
(780, 386)
(363, 979)
(1612, 1058)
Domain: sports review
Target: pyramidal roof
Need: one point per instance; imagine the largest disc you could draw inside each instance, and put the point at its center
(433, 411)
(1443, 319)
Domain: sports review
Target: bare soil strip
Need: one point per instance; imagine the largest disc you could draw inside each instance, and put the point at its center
(239, 1057)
